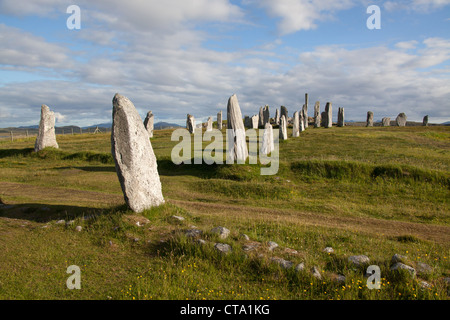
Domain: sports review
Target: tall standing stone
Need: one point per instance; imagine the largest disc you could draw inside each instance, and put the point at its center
(328, 115)
(277, 116)
(190, 123)
(247, 122)
(149, 123)
(401, 120)
(209, 124)
(317, 116)
(284, 112)
(305, 111)
(283, 128)
(267, 144)
(254, 121)
(219, 120)
(341, 121)
(369, 120)
(261, 118)
(237, 148)
(386, 122)
(266, 115)
(46, 136)
(301, 121)
(295, 125)
(133, 155)
(425, 121)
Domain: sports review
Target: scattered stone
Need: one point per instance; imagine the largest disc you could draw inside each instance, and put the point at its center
(70, 222)
(401, 120)
(136, 239)
(338, 278)
(423, 268)
(219, 120)
(209, 125)
(177, 218)
(237, 150)
(149, 123)
(190, 123)
(290, 251)
(244, 236)
(402, 266)
(386, 122)
(222, 247)
(201, 241)
(328, 115)
(283, 128)
(193, 233)
(328, 250)
(46, 136)
(272, 245)
(317, 115)
(296, 124)
(369, 121)
(134, 158)
(300, 267)
(60, 221)
(78, 228)
(316, 273)
(359, 260)
(425, 285)
(398, 258)
(340, 122)
(267, 143)
(283, 263)
(250, 246)
(425, 121)
(221, 231)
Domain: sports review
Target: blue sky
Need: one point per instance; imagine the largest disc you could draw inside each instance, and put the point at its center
(176, 57)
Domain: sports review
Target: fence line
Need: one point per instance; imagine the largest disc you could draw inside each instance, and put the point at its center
(12, 136)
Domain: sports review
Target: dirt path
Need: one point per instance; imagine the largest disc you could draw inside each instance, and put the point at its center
(439, 234)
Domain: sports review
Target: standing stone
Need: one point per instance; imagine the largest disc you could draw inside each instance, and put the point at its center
(148, 123)
(219, 120)
(284, 112)
(237, 149)
(190, 123)
(401, 120)
(301, 121)
(317, 116)
(46, 136)
(295, 126)
(369, 121)
(133, 155)
(340, 122)
(267, 144)
(328, 115)
(386, 122)
(247, 122)
(277, 117)
(209, 124)
(254, 122)
(266, 115)
(261, 118)
(425, 121)
(305, 114)
(283, 128)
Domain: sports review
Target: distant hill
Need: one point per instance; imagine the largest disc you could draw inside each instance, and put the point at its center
(157, 126)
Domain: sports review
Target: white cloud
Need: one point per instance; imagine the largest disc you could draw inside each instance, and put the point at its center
(415, 5)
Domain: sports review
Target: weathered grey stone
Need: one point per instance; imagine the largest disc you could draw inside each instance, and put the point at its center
(250, 246)
(247, 122)
(244, 236)
(222, 247)
(316, 273)
(328, 115)
(300, 267)
(359, 260)
(272, 245)
(386, 122)
(133, 155)
(254, 122)
(283, 128)
(178, 218)
(369, 121)
(341, 121)
(266, 115)
(338, 278)
(209, 125)
(284, 112)
(277, 117)
(222, 232)
(305, 115)
(267, 143)
(190, 123)
(323, 119)
(301, 122)
(78, 228)
(328, 250)
(295, 125)
(46, 136)
(290, 251)
(261, 118)
(401, 120)
(193, 233)
(219, 120)
(398, 258)
(149, 123)
(402, 266)
(237, 148)
(425, 285)
(317, 115)
(283, 263)
(425, 121)
(423, 268)
(201, 241)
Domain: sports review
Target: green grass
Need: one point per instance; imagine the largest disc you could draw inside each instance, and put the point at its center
(373, 191)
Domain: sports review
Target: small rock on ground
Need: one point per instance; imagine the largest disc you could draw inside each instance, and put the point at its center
(222, 247)
(221, 231)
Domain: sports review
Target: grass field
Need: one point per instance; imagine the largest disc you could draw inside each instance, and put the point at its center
(362, 191)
